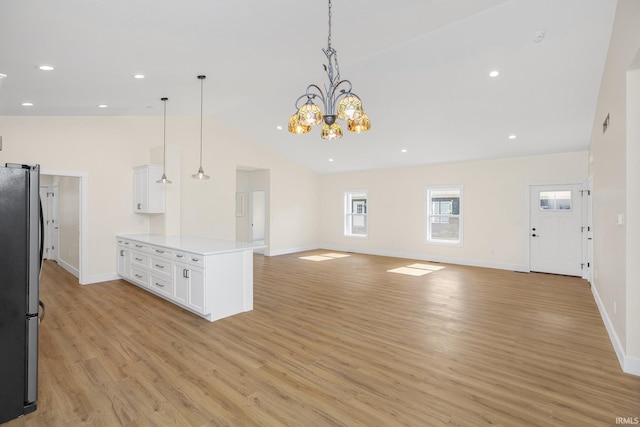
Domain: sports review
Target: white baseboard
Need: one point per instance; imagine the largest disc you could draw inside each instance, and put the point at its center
(97, 278)
(71, 269)
(290, 250)
(423, 257)
(630, 365)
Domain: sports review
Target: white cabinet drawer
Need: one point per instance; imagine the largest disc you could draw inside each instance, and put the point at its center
(160, 265)
(180, 256)
(160, 251)
(162, 284)
(140, 276)
(140, 259)
(195, 260)
(139, 246)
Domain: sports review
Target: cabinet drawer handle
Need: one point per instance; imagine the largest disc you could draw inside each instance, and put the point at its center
(159, 266)
(138, 276)
(121, 252)
(185, 273)
(138, 259)
(195, 259)
(179, 256)
(159, 284)
(139, 246)
(159, 251)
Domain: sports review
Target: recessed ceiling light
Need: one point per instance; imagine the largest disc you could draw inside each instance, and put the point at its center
(279, 127)
(45, 67)
(331, 160)
(512, 136)
(538, 36)
(27, 104)
(138, 76)
(102, 105)
(404, 150)
(494, 73)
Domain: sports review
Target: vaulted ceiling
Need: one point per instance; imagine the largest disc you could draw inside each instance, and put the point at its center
(421, 67)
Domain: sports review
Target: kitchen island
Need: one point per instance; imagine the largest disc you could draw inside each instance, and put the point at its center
(210, 277)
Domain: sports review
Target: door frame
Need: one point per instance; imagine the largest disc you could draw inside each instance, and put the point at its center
(83, 235)
(52, 213)
(530, 186)
(588, 231)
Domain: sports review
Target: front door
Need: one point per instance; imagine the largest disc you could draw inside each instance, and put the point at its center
(556, 229)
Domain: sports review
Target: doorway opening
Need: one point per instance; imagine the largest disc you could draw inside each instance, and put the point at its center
(252, 206)
(66, 208)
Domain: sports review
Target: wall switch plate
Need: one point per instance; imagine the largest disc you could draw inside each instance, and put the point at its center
(620, 219)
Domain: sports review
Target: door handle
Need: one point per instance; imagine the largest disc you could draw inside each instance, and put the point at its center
(535, 235)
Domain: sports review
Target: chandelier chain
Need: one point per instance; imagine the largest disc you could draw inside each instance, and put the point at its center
(329, 37)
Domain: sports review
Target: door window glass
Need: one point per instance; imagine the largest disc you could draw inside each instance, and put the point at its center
(555, 200)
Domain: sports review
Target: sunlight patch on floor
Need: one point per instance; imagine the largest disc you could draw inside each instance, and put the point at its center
(410, 271)
(426, 267)
(336, 255)
(324, 257)
(315, 258)
(417, 269)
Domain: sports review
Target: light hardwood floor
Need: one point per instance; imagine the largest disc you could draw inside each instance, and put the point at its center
(334, 343)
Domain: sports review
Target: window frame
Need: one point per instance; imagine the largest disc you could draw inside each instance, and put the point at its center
(348, 214)
(428, 215)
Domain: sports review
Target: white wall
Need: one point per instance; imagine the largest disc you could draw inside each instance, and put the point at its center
(496, 214)
(633, 214)
(107, 148)
(616, 188)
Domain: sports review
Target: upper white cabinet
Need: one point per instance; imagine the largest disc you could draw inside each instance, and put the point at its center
(148, 194)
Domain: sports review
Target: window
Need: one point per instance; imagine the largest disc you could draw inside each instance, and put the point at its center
(555, 200)
(355, 213)
(444, 215)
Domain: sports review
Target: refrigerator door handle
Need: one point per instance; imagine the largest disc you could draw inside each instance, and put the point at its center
(41, 237)
(41, 313)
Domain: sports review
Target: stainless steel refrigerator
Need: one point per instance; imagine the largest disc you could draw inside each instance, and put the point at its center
(20, 264)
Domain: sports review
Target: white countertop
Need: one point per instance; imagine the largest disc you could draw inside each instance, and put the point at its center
(196, 244)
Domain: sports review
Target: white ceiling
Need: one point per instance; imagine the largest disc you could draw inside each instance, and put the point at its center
(420, 66)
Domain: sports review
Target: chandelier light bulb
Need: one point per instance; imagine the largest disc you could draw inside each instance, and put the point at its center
(350, 108)
(294, 126)
(310, 114)
(360, 125)
(331, 132)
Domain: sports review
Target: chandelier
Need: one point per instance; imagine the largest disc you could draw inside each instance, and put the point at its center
(337, 100)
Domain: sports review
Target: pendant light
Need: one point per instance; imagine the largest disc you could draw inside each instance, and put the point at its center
(164, 179)
(200, 174)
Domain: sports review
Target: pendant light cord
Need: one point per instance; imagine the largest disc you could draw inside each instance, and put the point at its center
(201, 113)
(164, 135)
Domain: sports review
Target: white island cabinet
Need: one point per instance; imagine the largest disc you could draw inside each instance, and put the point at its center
(209, 277)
